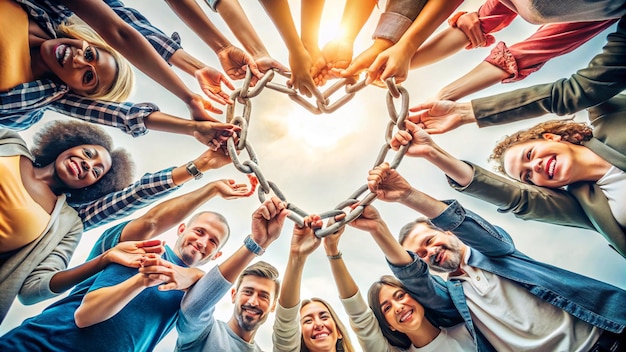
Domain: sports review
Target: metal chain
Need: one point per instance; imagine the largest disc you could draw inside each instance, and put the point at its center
(353, 206)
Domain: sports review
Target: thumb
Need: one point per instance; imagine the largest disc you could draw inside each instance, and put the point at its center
(422, 106)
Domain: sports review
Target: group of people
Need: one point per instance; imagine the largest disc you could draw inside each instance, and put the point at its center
(75, 57)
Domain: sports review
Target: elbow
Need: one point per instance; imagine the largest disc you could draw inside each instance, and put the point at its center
(80, 318)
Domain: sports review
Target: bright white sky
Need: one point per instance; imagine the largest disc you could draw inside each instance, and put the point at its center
(317, 161)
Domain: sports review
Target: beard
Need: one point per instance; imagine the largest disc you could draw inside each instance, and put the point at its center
(452, 262)
(249, 323)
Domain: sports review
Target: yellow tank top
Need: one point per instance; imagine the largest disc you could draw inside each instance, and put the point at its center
(14, 50)
(22, 219)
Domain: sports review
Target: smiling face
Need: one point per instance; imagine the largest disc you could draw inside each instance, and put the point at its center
(82, 166)
(542, 162)
(401, 311)
(319, 330)
(254, 299)
(201, 239)
(84, 68)
(442, 251)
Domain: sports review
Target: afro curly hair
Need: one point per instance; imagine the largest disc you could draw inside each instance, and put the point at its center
(56, 137)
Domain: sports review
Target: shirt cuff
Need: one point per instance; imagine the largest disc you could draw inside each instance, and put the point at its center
(391, 26)
(212, 4)
(136, 125)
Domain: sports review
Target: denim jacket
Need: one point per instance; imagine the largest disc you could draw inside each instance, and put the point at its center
(492, 250)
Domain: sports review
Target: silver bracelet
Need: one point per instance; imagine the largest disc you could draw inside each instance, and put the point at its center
(336, 256)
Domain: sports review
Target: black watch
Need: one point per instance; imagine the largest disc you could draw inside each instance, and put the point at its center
(193, 170)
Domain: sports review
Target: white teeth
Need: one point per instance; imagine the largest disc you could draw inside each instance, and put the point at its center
(405, 316)
(320, 336)
(550, 167)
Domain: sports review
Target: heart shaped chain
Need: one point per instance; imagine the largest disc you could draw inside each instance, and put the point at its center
(251, 166)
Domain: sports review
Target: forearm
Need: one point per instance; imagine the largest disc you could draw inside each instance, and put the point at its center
(310, 15)
(434, 13)
(167, 214)
(238, 22)
(442, 45)
(66, 279)
(185, 62)
(101, 304)
(290, 290)
(355, 14)
(160, 121)
(480, 77)
(129, 43)
(279, 12)
(236, 263)
(343, 280)
(393, 251)
(192, 15)
(454, 168)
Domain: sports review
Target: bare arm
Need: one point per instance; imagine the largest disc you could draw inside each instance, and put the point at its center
(130, 43)
(172, 212)
(103, 303)
(343, 280)
(482, 76)
(127, 254)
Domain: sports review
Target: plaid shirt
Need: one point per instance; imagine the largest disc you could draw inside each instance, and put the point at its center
(24, 105)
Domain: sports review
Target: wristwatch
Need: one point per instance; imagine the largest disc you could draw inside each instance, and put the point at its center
(253, 246)
(193, 170)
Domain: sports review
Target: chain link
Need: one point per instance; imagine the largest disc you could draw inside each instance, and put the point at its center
(354, 205)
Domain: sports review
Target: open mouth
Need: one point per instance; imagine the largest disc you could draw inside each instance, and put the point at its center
(74, 167)
(62, 53)
(439, 257)
(406, 316)
(251, 310)
(319, 336)
(551, 165)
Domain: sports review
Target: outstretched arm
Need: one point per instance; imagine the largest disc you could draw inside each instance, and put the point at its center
(300, 60)
(136, 49)
(172, 212)
(394, 62)
(124, 253)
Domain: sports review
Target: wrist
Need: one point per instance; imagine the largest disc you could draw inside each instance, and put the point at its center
(467, 115)
(193, 170)
(336, 256)
(254, 247)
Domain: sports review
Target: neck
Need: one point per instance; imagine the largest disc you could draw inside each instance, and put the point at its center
(426, 333)
(48, 176)
(247, 336)
(591, 167)
(38, 68)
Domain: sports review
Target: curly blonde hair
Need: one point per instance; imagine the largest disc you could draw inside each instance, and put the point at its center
(124, 80)
(569, 130)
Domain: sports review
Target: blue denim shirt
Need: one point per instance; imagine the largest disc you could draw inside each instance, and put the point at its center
(492, 250)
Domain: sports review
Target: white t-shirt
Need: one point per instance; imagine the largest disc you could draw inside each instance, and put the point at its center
(613, 185)
(512, 319)
(452, 339)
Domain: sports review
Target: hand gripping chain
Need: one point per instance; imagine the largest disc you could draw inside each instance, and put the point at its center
(353, 206)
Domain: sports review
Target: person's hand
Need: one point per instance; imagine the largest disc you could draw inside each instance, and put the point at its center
(229, 189)
(387, 183)
(331, 242)
(336, 55)
(198, 107)
(236, 62)
(441, 116)
(420, 143)
(130, 253)
(469, 24)
(304, 241)
(214, 134)
(301, 80)
(393, 62)
(210, 81)
(268, 220)
(364, 59)
(169, 276)
(265, 63)
(369, 221)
